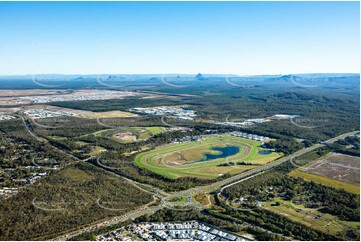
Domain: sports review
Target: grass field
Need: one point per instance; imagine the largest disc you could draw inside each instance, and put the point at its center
(97, 150)
(326, 181)
(310, 217)
(202, 199)
(206, 199)
(182, 160)
(130, 134)
(178, 200)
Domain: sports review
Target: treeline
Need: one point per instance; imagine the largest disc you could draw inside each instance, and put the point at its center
(285, 145)
(237, 163)
(118, 104)
(348, 146)
(279, 224)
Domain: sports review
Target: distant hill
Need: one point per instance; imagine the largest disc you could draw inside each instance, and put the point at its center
(199, 76)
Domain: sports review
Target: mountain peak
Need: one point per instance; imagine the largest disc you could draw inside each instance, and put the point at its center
(199, 76)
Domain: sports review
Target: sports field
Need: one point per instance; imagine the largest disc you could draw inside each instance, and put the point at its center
(188, 159)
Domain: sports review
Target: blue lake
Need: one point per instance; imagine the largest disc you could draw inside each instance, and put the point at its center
(224, 152)
(264, 152)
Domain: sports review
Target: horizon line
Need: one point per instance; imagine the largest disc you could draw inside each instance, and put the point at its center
(264, 74)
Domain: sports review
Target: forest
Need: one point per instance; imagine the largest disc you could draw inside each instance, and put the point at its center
(74, 196)
(330, 114)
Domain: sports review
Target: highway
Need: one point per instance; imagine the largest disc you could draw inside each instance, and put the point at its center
(131, 215)
(40, 139)
(158, 193)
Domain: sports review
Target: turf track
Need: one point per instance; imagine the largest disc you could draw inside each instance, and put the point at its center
(155, 161)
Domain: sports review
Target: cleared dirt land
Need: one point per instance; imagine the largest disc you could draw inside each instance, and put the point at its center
(131, 134)
(17, 97)
(336, 170)
(185, 159)
(9, 97)
(32, 92)
(82, 113)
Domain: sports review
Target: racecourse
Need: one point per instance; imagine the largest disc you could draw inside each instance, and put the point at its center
(182, 160)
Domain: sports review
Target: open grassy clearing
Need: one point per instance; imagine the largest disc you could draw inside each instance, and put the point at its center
(178, 200)
(326, 181)
(181, 160)
(81, 143)
(202, 199)
(57, 137)
(310, 217)
(206, 199)
(130, 134)
(108, 114)
(97, 150)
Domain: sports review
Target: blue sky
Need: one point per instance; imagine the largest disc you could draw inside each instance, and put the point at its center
(179, 37)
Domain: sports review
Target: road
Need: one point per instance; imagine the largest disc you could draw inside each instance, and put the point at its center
(46, 141)
(158, 193)
(131, 215)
